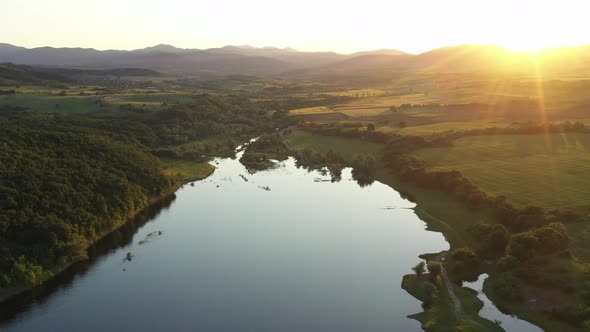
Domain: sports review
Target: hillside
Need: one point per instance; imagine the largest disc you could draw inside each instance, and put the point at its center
(482, 59)
(374, 66)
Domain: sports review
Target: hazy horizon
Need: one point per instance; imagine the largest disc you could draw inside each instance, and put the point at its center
(306, 26)
(298, 50)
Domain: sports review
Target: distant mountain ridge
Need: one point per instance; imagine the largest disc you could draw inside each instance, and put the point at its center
(223, 61)
(273, 61)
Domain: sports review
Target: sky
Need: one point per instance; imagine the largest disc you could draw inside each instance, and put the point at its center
(307, 25)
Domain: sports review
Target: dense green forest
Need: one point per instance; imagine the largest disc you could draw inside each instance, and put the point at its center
(62, 190)
(68, 179)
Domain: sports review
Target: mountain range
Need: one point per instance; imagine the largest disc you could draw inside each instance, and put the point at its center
(272, 61)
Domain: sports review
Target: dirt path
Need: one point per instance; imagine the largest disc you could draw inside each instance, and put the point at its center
(454, 298)
(440, 257)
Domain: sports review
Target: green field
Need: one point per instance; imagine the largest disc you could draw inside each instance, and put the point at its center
(51, 103)
(186, 171)
(545, 170)
(151, 98)
(45, 101)
(446, 126)
(347, 147)
(430, 203)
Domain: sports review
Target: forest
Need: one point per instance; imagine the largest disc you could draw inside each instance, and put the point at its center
(70, 179)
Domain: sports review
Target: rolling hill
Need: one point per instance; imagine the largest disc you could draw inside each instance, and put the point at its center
(271, 61)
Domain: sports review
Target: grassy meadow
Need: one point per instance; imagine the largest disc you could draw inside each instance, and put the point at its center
(347, 147)
(42, 102)
(74, 102)
(432, 205)
(545, 170)
(185, 170)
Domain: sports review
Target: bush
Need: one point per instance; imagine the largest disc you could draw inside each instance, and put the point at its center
(419, 268)
(464, 264)
(507, 286)
(549, 239)
(523, 246)
(508, 263)
(492, 239)
(435, 268)
(363, 168)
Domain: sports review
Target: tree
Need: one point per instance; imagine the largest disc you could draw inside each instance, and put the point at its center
(506, 285)
(370, 127)
(419, 269)
(508, 263)
(435, 268)
(492, 239)
(363, 167)
(523, 245)
(464, 264)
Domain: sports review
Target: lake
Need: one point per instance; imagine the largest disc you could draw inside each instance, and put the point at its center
(278, 250)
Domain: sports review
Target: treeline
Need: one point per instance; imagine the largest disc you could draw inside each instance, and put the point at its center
(523, 239)
(413, 169)
(289, 102)
(203, 117)
(444, 138)
(60, 191)
(363, 165)
(27, 74)
(523, 129)
(410, 168)
(67, 180)
(258, 153)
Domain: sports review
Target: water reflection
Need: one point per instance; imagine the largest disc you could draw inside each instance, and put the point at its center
(489, 311)
(119, 238)
(305, 255)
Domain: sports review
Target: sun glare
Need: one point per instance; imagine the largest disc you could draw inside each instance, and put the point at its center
(531, 44)
(527, 46)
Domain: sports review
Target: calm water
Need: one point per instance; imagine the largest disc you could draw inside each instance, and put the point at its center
(490, 311)
(308, 255)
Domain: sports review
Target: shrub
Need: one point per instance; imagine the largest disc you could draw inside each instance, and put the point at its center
(419, 268)
(434, 267)
(492, 239)
(507, 263)
(507, 286)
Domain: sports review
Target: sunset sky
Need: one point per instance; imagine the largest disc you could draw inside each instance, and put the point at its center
(412, 26)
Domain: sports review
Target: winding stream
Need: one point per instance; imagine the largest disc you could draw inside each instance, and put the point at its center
(491, 312)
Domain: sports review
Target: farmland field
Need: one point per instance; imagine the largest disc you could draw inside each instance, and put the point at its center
(46, 101)
(347, 147)
(445, 126)
(545, 170)
(51, 103)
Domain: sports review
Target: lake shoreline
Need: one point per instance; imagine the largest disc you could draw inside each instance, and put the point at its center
(14, 291)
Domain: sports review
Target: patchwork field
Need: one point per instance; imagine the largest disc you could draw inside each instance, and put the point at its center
(545, 170)
(51, 103)
(428, 129)
(73, 102)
